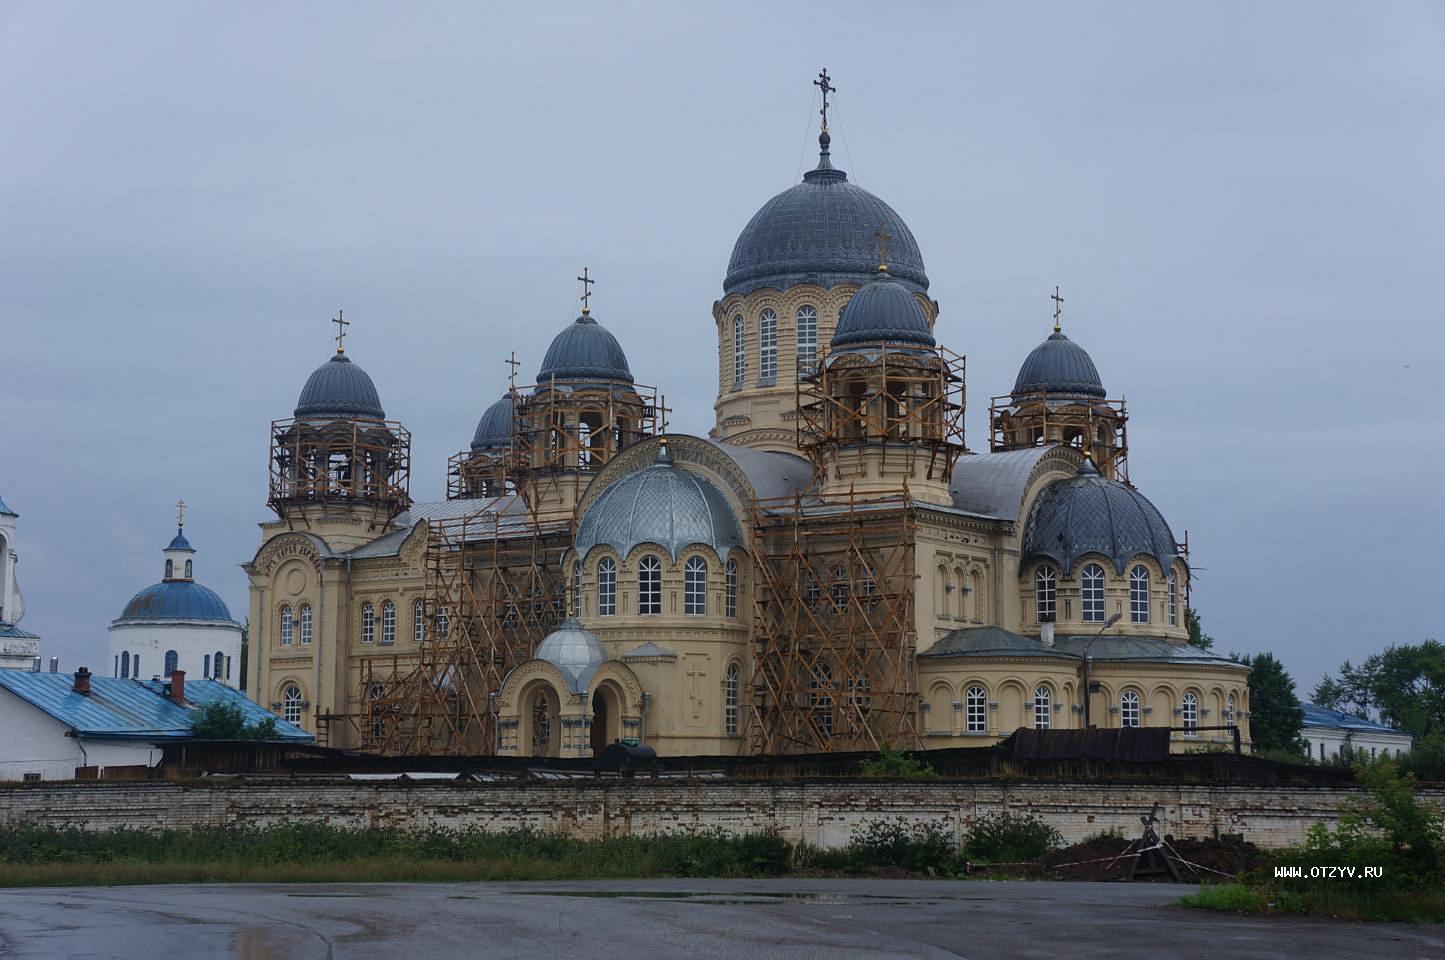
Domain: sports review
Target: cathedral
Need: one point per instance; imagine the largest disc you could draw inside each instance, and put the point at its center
(829, 569)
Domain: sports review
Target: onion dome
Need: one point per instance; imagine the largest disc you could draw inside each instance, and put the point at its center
(574, 650)
(661, 504)
(586, 350)
(179, 542)
(339, 389)
(883, 311)
(6, 511)
(494, 430)
(824, 231)
(1059, 367)
(176, 600)
(1089, 513)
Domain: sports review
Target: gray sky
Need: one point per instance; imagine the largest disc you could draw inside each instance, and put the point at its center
(1242, 203)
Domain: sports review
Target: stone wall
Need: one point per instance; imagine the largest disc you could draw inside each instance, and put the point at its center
(822, 812)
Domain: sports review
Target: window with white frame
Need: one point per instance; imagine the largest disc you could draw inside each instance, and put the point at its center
(820, 696)
(188, 570)
(368, 623)
(444, 623)
(1229, 708)
(730, 589)
(740, 351)
(171, 662)
(288, 627)
(218, 664)
(1189, 710)
(125, 665)
(291, 704)
(1043, 707)
(975, 710)
(807, 319)
(1139, 594)
(768, 347)
(649, 586)
(1092, 593)
(305, 624)
(840, 588)
(732, 684)
(388, 622)
(606, 587)
(1045, 594)
(694, 587)
(1173, 601)
(1129, 709)
(418, 620)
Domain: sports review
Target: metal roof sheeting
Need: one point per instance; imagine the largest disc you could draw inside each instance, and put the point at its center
(1093, 514)
(662, 504)
(1059, 366)
(994, 484)
(339, 389)
(585, 350)
(883, 311)
(176, 600)
(1318, 716)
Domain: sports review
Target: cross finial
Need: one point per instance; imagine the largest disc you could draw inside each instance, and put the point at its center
(1058, 308)
(180, 513)
(883, 237)
(824, 83)
(341, 324)
(514, 363)
(586, 297)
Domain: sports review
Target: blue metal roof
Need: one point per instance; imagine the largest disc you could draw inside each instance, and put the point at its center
(8, 631)
(1059, 367)
(1318, 716)
(1090, 513)
(179, 542)
(132, 709)
(176, 600)
(883, 311)
(494, 430)
(6, 511)
(585, 350)
(339, 389)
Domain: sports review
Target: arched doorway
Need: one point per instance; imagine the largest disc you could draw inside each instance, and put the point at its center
(606, 717)
(541, 721)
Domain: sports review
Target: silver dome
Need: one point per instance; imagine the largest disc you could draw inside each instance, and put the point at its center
(575, 651)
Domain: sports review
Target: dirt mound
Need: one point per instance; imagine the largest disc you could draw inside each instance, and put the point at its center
(1105, 858)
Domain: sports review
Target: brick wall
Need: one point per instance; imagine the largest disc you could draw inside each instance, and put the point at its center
(822, 812)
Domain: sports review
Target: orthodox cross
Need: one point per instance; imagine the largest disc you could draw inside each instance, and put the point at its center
(180, 513)
(883, 237)
(341, 324)
(586, 297)
(663, 410)
(1058, 308)
(823, 84)
(514, 363)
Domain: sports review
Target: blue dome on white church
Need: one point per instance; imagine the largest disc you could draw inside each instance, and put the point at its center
(176, 600)
(1090, 513)
(586, 351)
(339, 389)
(883, 311)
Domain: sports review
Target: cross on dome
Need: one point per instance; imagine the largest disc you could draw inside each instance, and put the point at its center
(586, 297)
(341, 324)
(824, 83)
(1058, 308)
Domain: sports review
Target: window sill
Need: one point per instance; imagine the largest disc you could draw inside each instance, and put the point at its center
(767, 382)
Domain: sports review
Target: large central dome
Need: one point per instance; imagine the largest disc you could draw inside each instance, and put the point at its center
(823, 231)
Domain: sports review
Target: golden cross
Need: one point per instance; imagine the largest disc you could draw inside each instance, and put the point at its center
(883, 237)
(1058, 308)
(586, 297)
(341, 324)
(823, 84)
(514, 363)
(180, 513)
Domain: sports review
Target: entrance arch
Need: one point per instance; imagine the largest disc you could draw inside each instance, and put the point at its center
(606, 716)
(541, 721)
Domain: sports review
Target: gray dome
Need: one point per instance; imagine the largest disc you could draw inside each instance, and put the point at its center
(1061, 367)
(824, 231)
(340, 389)
(883, 310)
(574, 650)
(1091, 514)
(585, 351)
(494, 430)
(662, 504)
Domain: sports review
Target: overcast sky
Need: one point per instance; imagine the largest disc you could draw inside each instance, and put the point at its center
(1242, 203)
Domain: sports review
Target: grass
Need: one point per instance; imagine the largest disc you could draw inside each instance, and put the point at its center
(1339, 901)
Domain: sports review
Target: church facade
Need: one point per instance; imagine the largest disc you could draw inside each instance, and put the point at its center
(829, 569)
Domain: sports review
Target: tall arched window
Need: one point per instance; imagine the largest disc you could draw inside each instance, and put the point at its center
(305, 624)
(740, 351)
(1173, 601)
(418, 620)
(368, 623)
(732, 682)
(206, 665)
(388, 622)
(1043, 707)
(820, 696)
(694, 587)
(1129, 709)
(135, 666)
(840, 588)
(1045, 594)
(291, 703)
(768, 347)
(170, 569)
(1093, 593)
(1139, 594)
(125, 662)
(730, 589)
(1229, 708)
(577, 589)
(649, 586)
(288, 627)
(807, 319)
(1189, 711)
(975, 715)
(606, 587)
(188, 569)
(219, 663)
(171, 661)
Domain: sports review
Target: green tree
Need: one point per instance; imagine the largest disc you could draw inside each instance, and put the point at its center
(223, 720)
(1275, 716)
(1403, 686)
(1197, 636)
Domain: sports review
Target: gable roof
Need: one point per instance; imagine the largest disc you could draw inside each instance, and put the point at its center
(1318, 716)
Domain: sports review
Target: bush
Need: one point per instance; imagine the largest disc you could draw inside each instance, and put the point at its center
(896, 764)
(921, 847)
(1427, 760)
(225, 721)
(1009, 837)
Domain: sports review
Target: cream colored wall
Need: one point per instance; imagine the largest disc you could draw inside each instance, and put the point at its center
(1069, 614)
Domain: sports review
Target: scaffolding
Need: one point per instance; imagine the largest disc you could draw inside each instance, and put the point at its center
(1097, 427)
(332, 461)
(834, 639)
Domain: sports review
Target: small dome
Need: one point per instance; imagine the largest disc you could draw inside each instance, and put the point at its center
(824, 231)
(883, 311)
(574, 650)
(1091, 514)
(662, 504)
(586, 350)
(494, 430)
(1061, 367)
(339, 389)
(179, 542)
(176, 600)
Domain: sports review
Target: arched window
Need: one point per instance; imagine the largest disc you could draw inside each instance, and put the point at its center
(730, 589)
(649, 586)
(188, 569)
(840, 588)
(860, 695)
(1139, 594)
(1173, 601)
(1043, 707)
(1045, 594)
(1093, 593)
(444, 623)
(170, 569)
(606, 587)
(135, 666)
(975, 716)
(807, 319)
(1189, 711)
(368, 623)
(732, 681)
(820, 696)
(1229, 708)
(1129, 709)
(694, 587)
(577, 589)
(388, 622)
(812, 594)
(378, 720)
(305, 624)
(218, 663)
(768, 347)
(418, 620)
(206, 665)
(288, 627)
(291, 703)
(125, 662)
(740, 351)
(171, 661)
